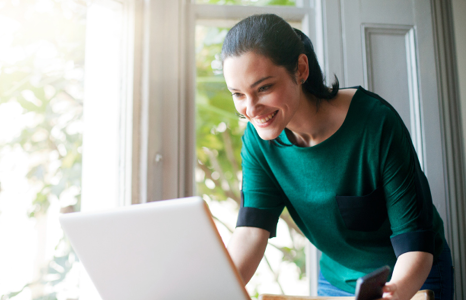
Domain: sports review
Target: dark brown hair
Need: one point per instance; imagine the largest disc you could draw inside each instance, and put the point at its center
(271, 36)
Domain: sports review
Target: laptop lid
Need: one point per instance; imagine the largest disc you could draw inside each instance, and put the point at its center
(159, 250)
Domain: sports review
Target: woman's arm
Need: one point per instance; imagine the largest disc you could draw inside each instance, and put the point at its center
(410, 272)
(246, 248)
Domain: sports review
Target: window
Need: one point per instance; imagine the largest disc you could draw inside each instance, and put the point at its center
(64, 96)
(169, 102)
(218, 143)
(218, 171)
(41, 94)
(110, 90)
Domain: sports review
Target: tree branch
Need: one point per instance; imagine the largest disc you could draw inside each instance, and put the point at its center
(231, 156)
(208, 174)
(275, 275)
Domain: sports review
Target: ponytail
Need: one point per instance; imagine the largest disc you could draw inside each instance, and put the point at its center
(314, 84)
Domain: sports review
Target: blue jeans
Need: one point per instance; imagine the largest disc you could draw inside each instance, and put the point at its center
(326, 289)
(440, 280)
(441, 277)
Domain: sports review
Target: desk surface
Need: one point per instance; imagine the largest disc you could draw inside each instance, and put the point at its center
(421, 295)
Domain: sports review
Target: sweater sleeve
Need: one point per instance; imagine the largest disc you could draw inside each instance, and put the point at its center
(407, 192)
(262, 201)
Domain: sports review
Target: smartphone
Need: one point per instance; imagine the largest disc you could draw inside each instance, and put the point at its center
(369, 287)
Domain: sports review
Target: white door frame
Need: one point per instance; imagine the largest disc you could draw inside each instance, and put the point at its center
(449, 198)
(452, 139)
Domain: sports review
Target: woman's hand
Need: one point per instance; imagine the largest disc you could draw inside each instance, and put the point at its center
(410, 273)
(390, 292)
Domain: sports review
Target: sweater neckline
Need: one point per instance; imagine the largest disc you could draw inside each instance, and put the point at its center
(283, 136)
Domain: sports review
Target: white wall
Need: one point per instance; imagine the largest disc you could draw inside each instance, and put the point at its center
(459, 21)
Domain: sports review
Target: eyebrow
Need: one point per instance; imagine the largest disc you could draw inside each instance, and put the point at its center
(254, 84)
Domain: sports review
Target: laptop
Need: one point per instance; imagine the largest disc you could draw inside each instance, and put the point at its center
(160, 250)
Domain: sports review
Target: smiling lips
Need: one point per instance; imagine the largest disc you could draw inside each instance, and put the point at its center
(263, 121)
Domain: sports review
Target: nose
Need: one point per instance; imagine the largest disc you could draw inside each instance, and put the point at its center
(253, 106)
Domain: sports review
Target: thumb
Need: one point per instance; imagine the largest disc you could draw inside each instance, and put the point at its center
(389, 287)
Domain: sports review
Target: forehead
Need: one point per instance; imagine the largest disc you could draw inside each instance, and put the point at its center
(248, 68)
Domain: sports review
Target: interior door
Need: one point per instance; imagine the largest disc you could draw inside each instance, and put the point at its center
(387, 46)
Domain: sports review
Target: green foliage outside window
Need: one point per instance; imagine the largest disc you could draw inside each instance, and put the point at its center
(219, 131)
(42, 75)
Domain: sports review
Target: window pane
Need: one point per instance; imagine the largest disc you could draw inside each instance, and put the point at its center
(45, 111)
(218, 172)
(249, 2)
(41, 125)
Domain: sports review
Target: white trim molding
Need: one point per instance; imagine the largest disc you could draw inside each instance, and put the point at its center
(129, 131)
(162, 99)
(408, 33)
(454, 159)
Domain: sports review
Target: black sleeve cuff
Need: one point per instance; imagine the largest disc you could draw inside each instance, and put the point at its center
(255, 217)
(413, 241)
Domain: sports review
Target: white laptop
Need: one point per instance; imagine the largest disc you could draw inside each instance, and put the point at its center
(161, 250)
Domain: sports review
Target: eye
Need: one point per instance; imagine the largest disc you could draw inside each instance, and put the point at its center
(240, 115)
(265, 88)
(236, 95)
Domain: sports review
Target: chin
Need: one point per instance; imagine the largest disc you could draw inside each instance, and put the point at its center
(267, 136)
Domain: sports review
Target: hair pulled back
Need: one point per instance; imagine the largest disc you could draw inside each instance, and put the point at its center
(271, 36)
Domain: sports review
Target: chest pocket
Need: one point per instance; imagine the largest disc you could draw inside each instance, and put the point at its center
(363, 213)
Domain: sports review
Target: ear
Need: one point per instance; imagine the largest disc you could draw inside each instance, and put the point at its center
(303, 68)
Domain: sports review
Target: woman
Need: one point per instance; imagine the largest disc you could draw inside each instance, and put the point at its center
(340, 160)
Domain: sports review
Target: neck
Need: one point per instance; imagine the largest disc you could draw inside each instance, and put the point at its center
(314, 123)
(309, 123)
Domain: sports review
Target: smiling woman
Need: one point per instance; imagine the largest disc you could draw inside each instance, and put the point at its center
(263, 92)
(273, 64)
(269, 97)
(343, 164)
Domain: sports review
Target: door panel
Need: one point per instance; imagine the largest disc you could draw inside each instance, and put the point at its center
(390, 70)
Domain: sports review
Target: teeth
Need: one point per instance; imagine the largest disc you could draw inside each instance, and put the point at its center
(267, 118)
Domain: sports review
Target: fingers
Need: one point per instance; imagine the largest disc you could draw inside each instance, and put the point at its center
(389, 288)
(389, 292)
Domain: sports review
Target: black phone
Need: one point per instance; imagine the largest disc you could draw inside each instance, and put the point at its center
(369, 287)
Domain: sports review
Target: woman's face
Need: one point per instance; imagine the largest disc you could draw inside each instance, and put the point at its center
(263, 92)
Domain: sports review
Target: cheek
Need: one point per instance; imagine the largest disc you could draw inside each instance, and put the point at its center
(279, 98)
(291, 96)
(239, 108)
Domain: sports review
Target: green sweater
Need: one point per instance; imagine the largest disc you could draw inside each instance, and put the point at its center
(360, 196)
